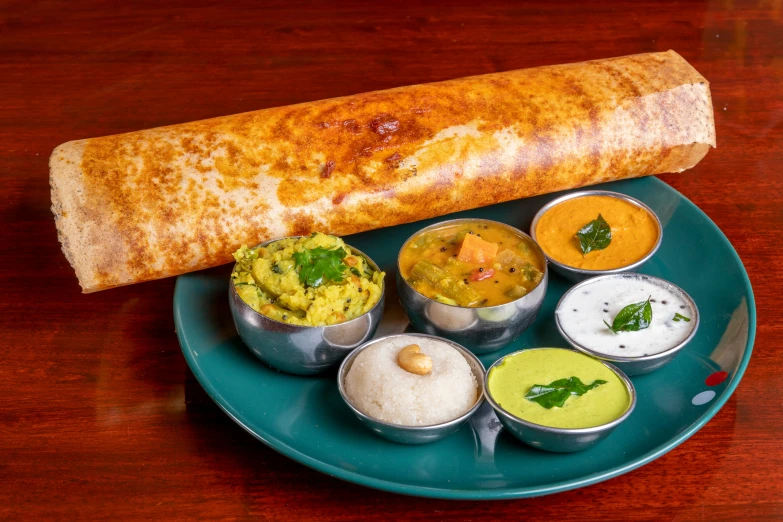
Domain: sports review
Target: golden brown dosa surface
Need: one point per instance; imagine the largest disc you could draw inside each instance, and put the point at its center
(165, 201)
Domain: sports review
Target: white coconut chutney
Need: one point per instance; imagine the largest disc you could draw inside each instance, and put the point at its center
(582, 313)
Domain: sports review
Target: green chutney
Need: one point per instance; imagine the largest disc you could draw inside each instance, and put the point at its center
(511, 380)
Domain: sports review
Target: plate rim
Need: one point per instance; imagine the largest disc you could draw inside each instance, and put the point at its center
(500, 493)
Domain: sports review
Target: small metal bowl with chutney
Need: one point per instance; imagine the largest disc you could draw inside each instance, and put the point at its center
(302, 303)
(637, 322)
(412, 388)
(557, 399)
(477, 282)
(596, 232)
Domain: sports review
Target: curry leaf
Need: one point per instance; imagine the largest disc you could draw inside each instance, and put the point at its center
(318, 265)
(596, 235)
(632, 318)
(557, 392)
(679, 317)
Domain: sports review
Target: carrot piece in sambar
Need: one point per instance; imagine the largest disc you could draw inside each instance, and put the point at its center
(476, 250)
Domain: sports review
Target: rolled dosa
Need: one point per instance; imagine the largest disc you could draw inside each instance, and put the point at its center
(165, 201)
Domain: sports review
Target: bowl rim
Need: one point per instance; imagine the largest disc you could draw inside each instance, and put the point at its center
(455, 221)
(354, 251)
(562, 431)
(596, 192)
(467, 354)
(619, 358)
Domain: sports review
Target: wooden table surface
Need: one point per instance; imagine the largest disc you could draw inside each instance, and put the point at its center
(100, 416)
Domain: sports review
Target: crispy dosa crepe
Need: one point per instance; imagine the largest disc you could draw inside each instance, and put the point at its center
(165, 201)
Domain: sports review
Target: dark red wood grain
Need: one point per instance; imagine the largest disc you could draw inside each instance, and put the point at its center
(99, 415)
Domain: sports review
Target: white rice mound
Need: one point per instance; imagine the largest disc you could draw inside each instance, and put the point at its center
(381, 389)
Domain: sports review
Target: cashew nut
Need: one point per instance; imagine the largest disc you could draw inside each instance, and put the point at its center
(411, 360)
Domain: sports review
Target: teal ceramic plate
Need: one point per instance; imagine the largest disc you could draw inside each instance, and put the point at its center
(305, 419)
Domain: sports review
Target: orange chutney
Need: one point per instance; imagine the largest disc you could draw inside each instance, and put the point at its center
(474, 264)
(634, 232)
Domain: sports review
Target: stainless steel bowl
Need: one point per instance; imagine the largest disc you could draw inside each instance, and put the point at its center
(580, 274)
(634, 365)
(412, 434)
(558, 440)
(481, 330)
(302, 350)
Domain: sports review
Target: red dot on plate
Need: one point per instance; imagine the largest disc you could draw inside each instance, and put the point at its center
(716, 378)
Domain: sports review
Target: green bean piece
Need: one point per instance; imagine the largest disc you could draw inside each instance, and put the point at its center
(446, 284)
